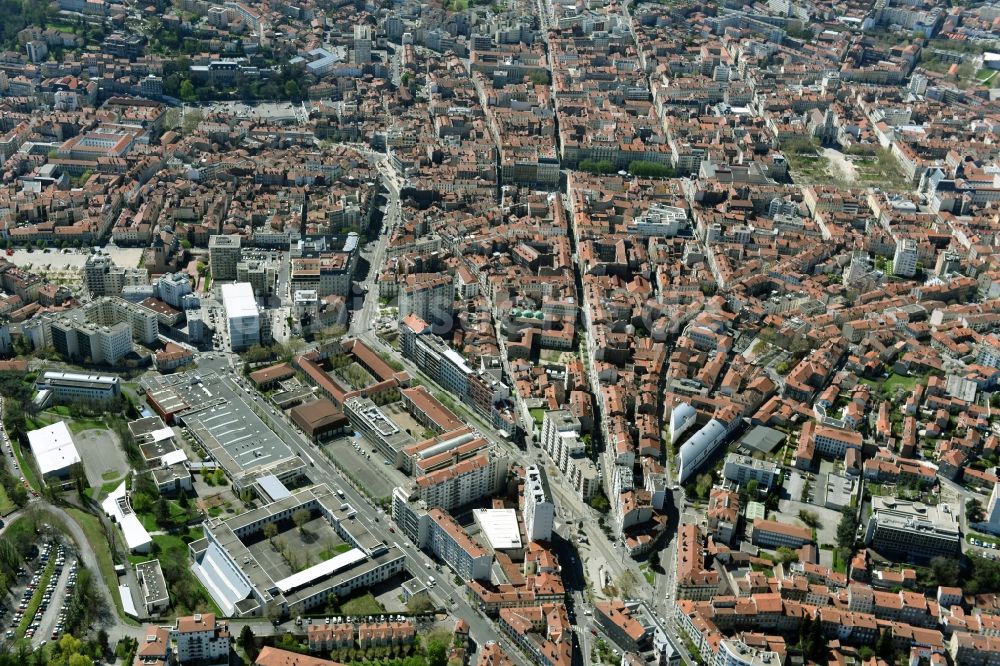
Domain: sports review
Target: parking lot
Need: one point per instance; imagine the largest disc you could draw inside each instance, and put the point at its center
(40, 596)
(103, 460)
(356, 457)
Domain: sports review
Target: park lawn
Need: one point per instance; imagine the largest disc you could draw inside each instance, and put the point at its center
(365, 604)
(91, 526)
(6, 505)
(538, 414)
(79, 425)
(893, 382)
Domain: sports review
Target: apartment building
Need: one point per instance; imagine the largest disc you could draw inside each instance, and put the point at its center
(904, 259)
(103, 330)
(201, 638)
(223, 256)
(742, 469)
(102, 277)
(172, 288)
(450, 544)
(834, 442)
(539, 511)
(464, 482)
(734, 652)
(154, 647)
(432, 299)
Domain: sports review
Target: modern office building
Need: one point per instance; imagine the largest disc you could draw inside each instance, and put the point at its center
(242, 316)
(913, 531)
(696, 451)
(72, 387)
(362, 45)
(659, 220)
(223, 256)
(261, 274)
(539, 511)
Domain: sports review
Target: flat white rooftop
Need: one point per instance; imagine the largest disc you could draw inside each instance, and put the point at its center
(321, 570)
(500, 528)
(53, 448)
(239, 301)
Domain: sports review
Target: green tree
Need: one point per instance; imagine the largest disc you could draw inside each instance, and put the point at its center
(248, 642)
(161, 512)
(292, 90)
(884, 647)
(946, 570)
(270, 531)
(186, 91)
(752, 487)
(643, 168)
(703, 485)
(300, 518)
(786, 555)
(974, 511)
(437, 653)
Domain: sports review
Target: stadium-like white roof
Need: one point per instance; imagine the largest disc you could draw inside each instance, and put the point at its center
(53, 448)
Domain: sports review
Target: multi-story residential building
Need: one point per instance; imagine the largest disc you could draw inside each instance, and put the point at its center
(772, 534)
(154, 647)
(432, 299)
(734, 652)
(242, 315)
(201, 638)
(480, 389)
(834, 442)
(171, 288)
(464, 482)
(362, 45)
(539, 511)
(974, 649)
(742, 469)
(223, 256)
(449, 542)
(913, 531)
(102, 277)
(261, 274)
(103, 330)
(904, 260)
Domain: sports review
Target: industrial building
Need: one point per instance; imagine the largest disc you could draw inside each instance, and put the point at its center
(220, 421)
(54, 450)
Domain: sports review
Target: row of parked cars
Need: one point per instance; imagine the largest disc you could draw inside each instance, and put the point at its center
(70, 584)
(29, 593)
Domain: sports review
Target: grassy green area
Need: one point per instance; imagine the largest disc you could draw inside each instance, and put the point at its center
(167, 541)
(894, 382)
(79, 425)
(339, 549)
(91, 527)
(111, 475)
(6, 505)
(61, 410)
(366, 604)
(36, 598)
(839, 564)
(808, 167)
(648, 574)
(27, 467)
(986, 538)
(538, 414)
(879, 169)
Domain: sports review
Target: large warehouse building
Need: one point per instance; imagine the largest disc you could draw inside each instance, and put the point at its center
(54, 450)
